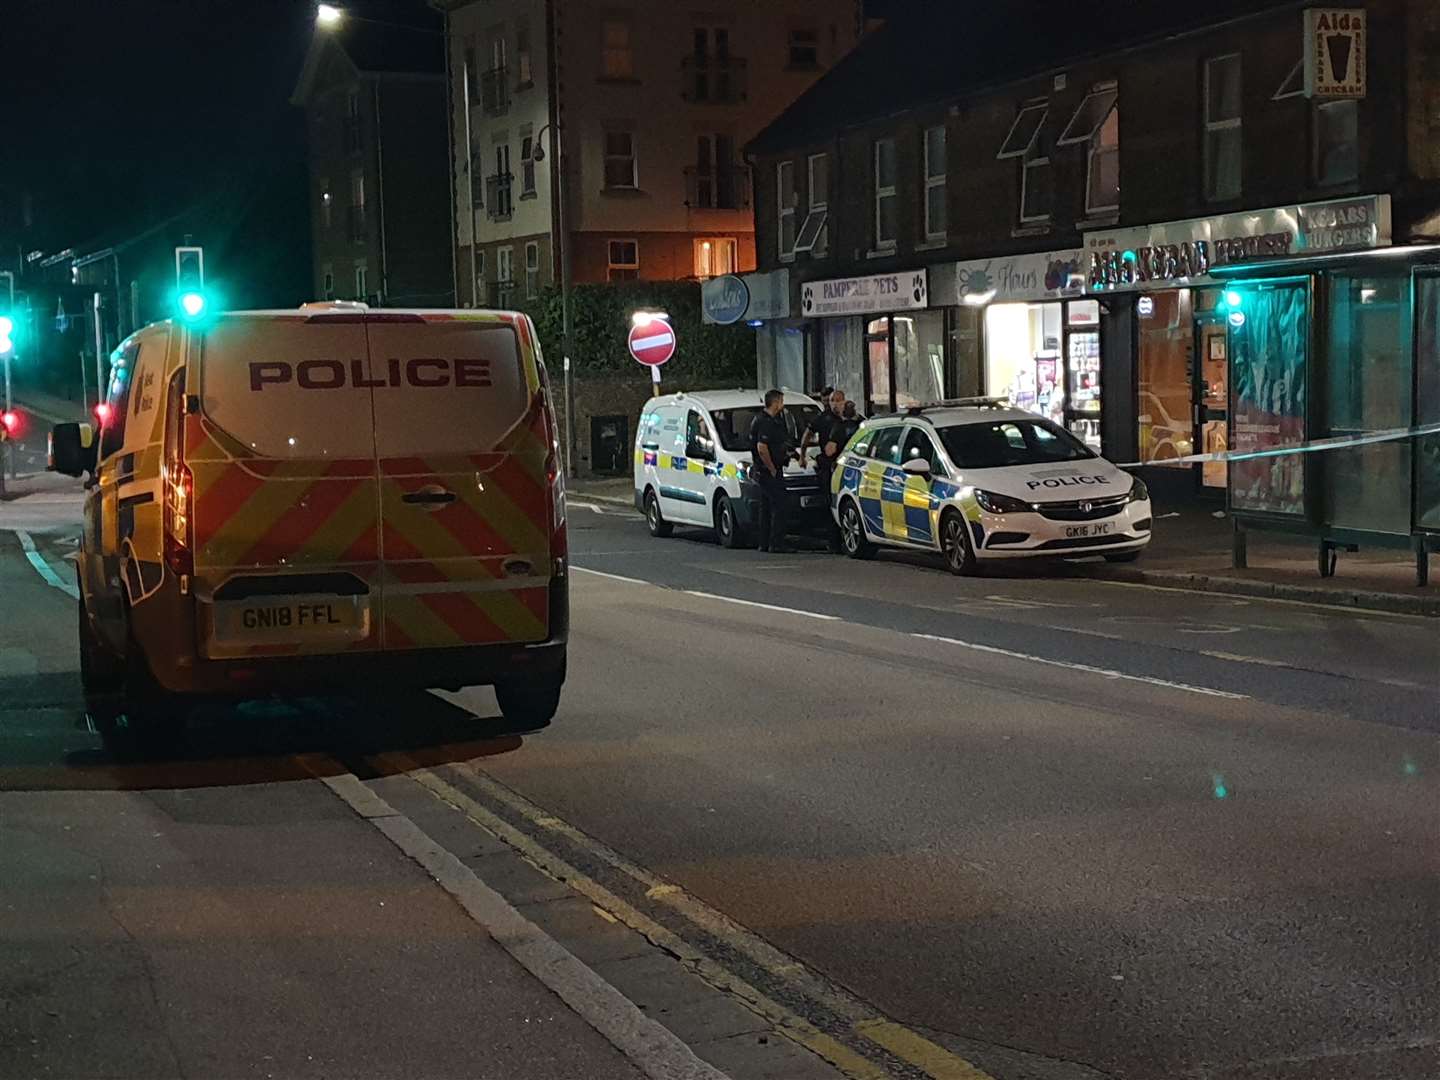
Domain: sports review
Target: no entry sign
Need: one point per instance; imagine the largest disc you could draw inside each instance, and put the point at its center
(652, 342)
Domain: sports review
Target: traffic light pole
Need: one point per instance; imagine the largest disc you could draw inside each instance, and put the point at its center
(99, 353)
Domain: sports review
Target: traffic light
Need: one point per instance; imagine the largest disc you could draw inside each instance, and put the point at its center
(9, 425)
(7, 340)
(190, 296)
(102, 412)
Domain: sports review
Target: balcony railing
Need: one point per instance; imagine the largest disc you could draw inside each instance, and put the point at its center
(723, 187)
(498, 196)
(715, 80)
(495, 91)
(357, 222)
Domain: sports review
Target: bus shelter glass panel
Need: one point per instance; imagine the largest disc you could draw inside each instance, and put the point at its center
(1427, 385)
(1368, 379)
(1268, 324)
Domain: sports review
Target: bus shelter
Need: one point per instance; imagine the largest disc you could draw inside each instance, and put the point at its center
(1334, 365)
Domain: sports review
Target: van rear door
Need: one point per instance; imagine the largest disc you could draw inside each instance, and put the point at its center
(463, 442)
(285, 533)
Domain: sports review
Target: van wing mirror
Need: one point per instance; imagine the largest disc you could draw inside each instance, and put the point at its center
(73, 449)
(916, 466)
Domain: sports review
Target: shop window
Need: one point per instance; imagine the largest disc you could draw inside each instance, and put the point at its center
(620, 171)
(623, 260)
(1163, 418)
(1337, 142)
(877, 360)
(1096, 124)
(843, 340)
(1223, 128)
(919, 355)
(886, 199)
(814, 232)
(935, 182)
(1023, 361)
(785, 201)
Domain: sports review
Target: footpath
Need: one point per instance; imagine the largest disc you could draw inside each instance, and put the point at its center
(1190, 550)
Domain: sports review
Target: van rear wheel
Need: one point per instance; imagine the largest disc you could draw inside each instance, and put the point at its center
(658, 526)
(531, 701)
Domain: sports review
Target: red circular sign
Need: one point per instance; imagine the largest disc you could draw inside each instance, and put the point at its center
(652, 342)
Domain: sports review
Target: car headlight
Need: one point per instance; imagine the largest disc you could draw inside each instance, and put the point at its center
(1001, 504)
(1138, 491)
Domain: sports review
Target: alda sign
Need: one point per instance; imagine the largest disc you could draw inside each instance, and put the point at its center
(1335, 52)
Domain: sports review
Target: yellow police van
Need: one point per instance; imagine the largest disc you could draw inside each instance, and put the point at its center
(320, 500)
(692, 464)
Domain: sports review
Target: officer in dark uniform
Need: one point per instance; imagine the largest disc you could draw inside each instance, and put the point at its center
(828, 428)
(769, 449)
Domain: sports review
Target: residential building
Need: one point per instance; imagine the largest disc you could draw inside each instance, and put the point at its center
(373, 92)
(644, 107)
(1040, 216)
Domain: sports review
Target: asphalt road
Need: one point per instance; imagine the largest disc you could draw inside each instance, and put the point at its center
(1056, 826)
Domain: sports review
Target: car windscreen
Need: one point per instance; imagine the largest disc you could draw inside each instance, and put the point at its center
(732, 426)
(1000, 443)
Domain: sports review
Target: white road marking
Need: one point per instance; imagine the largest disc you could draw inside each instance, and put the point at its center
(586, 506)
(757, 604)
(614, 577)
(657, 1052)
(1107, 673)
(43, 568)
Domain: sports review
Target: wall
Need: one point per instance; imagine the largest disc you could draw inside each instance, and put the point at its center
(417, 228)
(664, 256)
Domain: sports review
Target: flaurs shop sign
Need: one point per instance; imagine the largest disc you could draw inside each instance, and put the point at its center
(1184, 252)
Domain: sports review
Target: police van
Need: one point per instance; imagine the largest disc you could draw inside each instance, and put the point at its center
(978, 481)
(319, 500)
(692, 464)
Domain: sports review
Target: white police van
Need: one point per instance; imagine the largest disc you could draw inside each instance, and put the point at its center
(976, 480)
(692, 464)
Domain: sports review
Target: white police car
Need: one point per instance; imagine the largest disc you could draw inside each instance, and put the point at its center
(976, 480)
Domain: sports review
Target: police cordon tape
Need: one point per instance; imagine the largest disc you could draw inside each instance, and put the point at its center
(1309, 446)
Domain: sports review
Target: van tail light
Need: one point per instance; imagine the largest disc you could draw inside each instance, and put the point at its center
(178, 484)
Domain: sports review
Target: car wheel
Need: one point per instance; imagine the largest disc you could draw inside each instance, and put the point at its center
(726, 527)
(955, 543)
(1122, 556)
(852, 532)
(655, 520)
(530, 702)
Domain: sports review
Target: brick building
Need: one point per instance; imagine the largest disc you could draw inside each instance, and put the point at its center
(374, 98)
(1037, 214)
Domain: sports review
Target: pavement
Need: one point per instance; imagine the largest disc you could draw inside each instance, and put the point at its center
(797, 818)
(1190, 549)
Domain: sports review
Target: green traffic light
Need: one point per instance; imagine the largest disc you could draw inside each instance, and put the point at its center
(192, 304)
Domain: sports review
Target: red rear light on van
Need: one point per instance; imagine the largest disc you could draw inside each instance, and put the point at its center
(178, 484)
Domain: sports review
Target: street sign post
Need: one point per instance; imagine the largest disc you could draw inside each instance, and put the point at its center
(652, 342)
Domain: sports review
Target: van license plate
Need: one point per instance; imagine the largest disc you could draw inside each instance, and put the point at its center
(1077, 532)
(269, 620)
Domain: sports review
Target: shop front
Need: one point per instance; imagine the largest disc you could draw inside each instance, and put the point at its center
(1039, 336)
(1169, 336)
(877, 339)
(762, 301)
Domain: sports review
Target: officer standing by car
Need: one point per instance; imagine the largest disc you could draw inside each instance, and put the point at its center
(769, 450)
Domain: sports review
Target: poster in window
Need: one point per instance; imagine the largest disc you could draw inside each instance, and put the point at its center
(1267, 409)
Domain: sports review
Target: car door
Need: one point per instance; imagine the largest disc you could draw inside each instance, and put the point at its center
(921, 507)
(677, 494)
(461, 434)
(879, 496)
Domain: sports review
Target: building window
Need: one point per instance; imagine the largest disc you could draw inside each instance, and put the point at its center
(362, 283)
(358, 232)
(532, 270)
(1024, 141)
(804, 48)
(709, 72)
(504, 276)
(499, 190)
(718, 184)
(935, 183)
(495, 83)
(524, 62)
(1096, 124)
(715, 256)
(1294, 84)
(1222, 128)
(620, 170)
(886, 200)
(329, 283)
(785, 200)
(352, 122)
(617, 58)
(623, 261)
(527, 166)
(813, 232)
(1337, 141)
(482, 287)
(327, 203)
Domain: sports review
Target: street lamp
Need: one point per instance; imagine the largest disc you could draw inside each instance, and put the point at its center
(329, 16)
(558, 175)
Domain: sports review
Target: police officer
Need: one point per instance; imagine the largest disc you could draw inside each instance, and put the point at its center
(818, 429)
(829, 428)
(769, 449)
